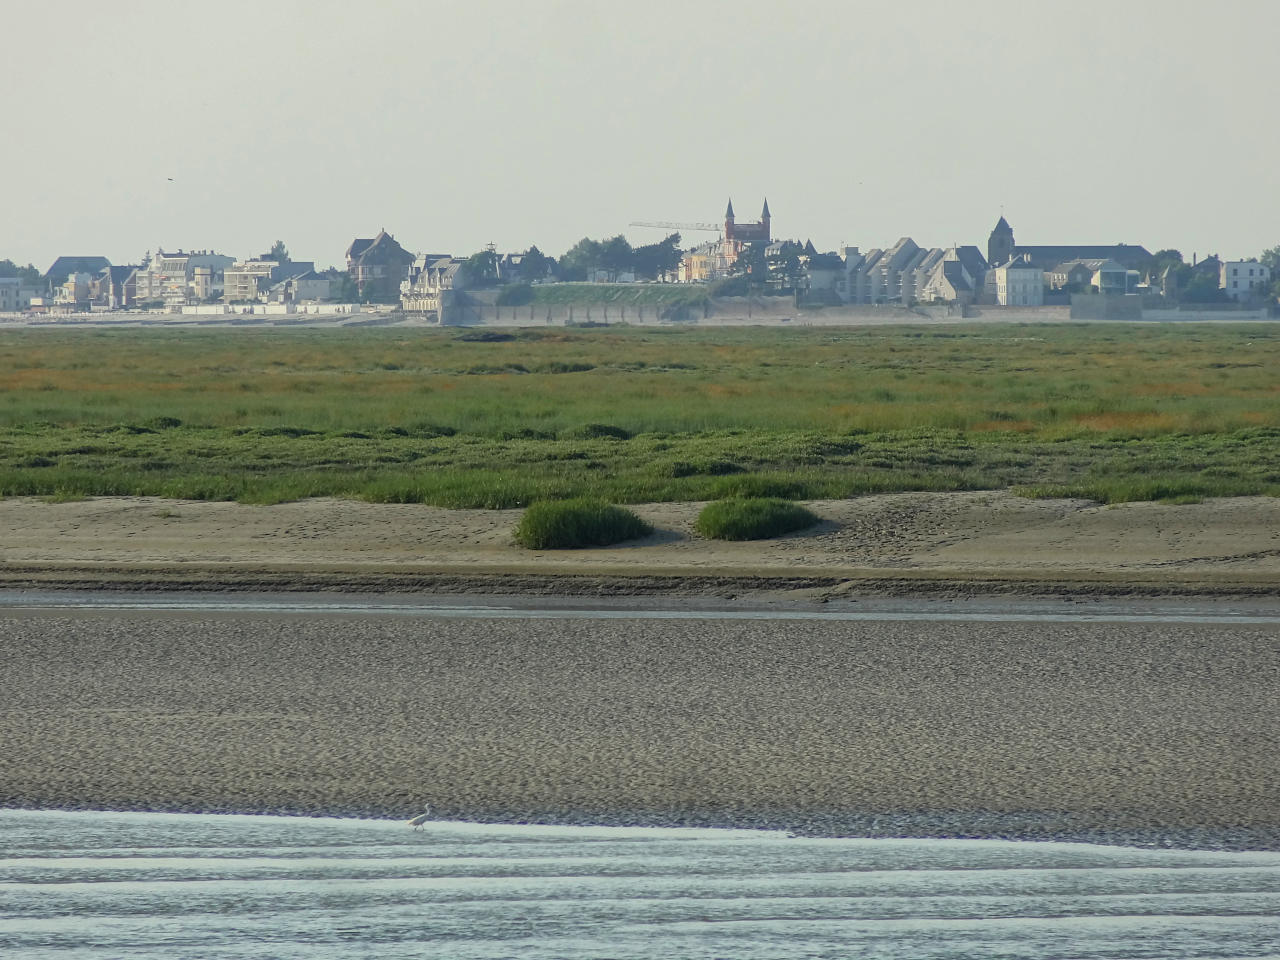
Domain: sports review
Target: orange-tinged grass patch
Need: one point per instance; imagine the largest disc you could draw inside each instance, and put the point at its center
(996, 426)
(73, 380)
(724, 390)
(1186, 389)
(1127, 421)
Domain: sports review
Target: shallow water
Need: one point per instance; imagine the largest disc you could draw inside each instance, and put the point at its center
(81, 885)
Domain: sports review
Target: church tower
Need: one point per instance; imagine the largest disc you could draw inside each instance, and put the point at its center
(728, 221)
(764, 219)
(1000, 244)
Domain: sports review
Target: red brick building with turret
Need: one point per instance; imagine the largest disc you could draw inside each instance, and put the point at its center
(757, 232)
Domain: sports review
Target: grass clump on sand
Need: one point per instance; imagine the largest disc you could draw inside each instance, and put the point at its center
(752, 518)
(565, 524)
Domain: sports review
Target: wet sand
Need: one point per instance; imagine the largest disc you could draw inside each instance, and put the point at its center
(1120, 732)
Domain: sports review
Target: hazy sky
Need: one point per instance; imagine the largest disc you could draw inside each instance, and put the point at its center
(453, 124)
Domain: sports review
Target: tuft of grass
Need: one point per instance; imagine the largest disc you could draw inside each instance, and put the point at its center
(600, 431)
(753, 518)
(1174, 491)
(759, 486)
(567, 524)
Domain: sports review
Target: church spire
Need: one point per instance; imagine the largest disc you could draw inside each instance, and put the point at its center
(728, 213)
(765, 214)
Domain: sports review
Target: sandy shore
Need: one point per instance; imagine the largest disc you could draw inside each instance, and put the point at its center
(1115, 732)
(1138, 733)
(988, 540)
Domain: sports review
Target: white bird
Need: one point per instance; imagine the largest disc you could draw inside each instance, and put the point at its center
(421, 818)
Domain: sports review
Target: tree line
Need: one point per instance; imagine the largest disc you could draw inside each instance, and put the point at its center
(1201, 282)
(609, 259)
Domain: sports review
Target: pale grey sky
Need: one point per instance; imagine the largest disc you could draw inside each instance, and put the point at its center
(456, 123)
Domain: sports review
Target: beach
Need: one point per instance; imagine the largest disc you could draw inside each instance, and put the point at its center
(1160, 732)
(980, 541)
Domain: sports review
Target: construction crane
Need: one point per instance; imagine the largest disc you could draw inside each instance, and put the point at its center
(669, 225)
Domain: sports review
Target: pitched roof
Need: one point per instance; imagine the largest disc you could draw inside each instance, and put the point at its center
(65, 266)
(973, 260)
(1049, 256)
(1002, 226)
(385, 246)
(358, 246)
(825, 261)
(1020, 261)
(954, 271)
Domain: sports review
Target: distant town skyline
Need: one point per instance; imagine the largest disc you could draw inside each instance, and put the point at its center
(452, 125)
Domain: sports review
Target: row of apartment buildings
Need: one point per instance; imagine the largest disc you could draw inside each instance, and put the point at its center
(1009, 275)
(169, 279)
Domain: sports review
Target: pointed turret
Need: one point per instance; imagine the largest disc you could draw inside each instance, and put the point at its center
(728, 213)
(765, 213)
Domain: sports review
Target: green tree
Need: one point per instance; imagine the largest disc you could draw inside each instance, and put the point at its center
(1271, 258)
(28, 273)
(1203, 288)
(786, 272)
(278, 251)
(535, 265)
(751, 264)
(616, 256)
(578, 259)
(654, 259)
(343, 289)
(481, 269)
(1160, 261)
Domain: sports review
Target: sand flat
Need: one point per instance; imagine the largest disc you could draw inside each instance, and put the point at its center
(926, 534)
(1067, 730)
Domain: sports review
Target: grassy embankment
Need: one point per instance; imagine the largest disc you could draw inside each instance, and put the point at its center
(638, 294)
(1108, 412)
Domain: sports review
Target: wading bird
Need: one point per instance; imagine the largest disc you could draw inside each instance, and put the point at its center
(421, 818)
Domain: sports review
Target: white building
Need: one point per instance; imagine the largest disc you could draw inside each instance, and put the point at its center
(15, 295)
(906, 273)
(431, 275)
(172, 277)
(1239, 277)
(956, 276)
(1018, 283)
(304, 286)
(257, 279)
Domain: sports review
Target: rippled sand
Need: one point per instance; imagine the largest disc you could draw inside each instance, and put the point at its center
(1031, 729)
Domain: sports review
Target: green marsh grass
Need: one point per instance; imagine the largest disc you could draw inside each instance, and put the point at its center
(579, 522)
(1115, 411)
(753, 518)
